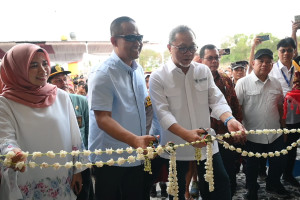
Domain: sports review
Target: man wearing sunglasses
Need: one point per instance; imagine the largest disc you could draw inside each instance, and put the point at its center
(209, 55)
(182, 91)
(116, 95)
(284, 70)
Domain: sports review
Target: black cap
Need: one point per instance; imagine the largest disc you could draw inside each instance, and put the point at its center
(55, 70)
(263, 52)
(242, 63)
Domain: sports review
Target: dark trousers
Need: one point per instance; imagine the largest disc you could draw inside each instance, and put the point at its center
(291, 156)
(87, 192)
(276, 164)
(156, 165)
(119, 183)
(229, 157)
(221, 180)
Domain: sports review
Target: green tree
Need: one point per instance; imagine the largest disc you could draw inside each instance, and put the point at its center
(240, 47)
(150, 60)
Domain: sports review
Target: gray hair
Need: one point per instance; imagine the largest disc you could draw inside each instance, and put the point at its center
(179, 29)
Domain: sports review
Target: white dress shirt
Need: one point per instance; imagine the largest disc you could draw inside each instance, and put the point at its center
(259, 101)
(277, 70)
(185, 99)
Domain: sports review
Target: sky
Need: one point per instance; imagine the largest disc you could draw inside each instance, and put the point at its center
(212, 20)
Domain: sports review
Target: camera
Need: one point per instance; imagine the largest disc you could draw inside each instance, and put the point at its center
(224, 51)
(264, 37)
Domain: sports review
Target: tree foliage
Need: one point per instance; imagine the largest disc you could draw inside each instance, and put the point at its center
(240, 47)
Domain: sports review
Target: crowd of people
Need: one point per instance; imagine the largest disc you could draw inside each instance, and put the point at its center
(119, 106)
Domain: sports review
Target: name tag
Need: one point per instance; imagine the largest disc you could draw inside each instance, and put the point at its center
(200, 80)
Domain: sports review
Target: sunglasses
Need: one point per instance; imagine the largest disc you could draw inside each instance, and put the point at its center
(211, 58)
(286, 50)
(131, 38)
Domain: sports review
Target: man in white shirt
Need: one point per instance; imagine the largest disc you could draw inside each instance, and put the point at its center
(283, 70)
(182, 92)
(261, 99)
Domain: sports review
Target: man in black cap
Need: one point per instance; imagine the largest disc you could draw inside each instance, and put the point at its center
(261, 98)
(59, 78)
(238, 70)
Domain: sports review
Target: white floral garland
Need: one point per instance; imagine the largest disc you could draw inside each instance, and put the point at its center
(151, 152)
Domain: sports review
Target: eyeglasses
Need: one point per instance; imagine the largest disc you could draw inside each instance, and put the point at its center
(131, 38)
(211, 58)
(286, 50)
(183, 50)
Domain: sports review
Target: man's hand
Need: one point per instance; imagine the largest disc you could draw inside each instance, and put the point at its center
(194, 135)
(295, 27)
(142, 141)
(19, 157)
(234, 125)
(76, 183)
(256, 42)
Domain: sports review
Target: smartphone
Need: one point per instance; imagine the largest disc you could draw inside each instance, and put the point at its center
(297, 18)
(224, 51)
(264, 37)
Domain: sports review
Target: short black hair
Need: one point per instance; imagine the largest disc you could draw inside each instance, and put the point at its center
(288, 41)
(179, 29)
(208, 46)
(115, 26)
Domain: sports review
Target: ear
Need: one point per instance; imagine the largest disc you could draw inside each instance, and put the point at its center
(169, 47)
(113, 41)
(252, 62)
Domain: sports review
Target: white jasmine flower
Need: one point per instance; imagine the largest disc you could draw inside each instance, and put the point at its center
(78, 165)
(129, 150)
(10, 154)
(139, 150)
(44, 165)
(75, 153)
(110, 162)
(277, 153)
(36, 154)
(250, 154)
(227, 135)
(32, 164)
(109, 151)
(68, 165)
(98, 151)
(50, 154)
(99, 164)
(20, 165)
(121, 161)
(265, 155)
(86, 152)
(119, 151)
(257, 155)
(56, 166)
(271, 154)
(140, 156)
(63, 154)
(89, 165)
(131, 159)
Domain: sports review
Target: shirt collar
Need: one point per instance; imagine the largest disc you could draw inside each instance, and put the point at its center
(123, 65)
(171, 66)
(254, 78)
(283, 66)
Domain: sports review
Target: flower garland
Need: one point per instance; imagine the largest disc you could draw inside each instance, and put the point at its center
(259, 132)
(172, 188)
(151, 152)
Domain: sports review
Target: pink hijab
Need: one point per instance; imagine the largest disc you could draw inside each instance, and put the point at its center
(15, 82)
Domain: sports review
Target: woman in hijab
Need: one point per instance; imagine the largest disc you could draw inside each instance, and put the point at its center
(36, 117)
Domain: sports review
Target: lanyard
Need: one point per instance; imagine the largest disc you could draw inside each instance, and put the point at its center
(286, 80)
